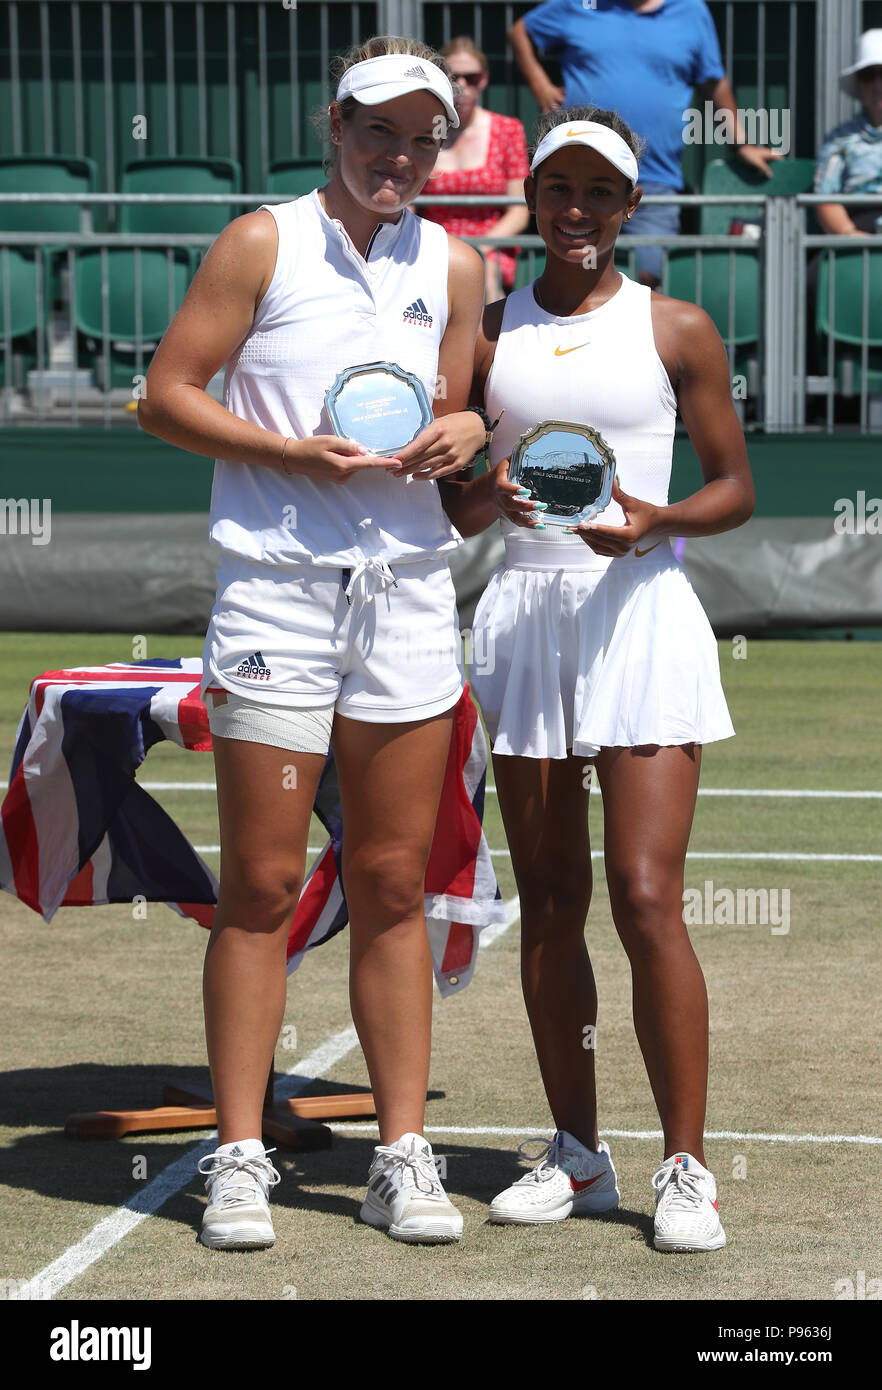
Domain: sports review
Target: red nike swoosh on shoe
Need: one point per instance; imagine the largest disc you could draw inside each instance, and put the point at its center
(716, 1204)
(580, 1186)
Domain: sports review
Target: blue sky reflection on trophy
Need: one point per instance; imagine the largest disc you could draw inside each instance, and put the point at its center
(380, 404)
(569, 467)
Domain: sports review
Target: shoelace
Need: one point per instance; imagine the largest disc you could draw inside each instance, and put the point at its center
(687, 1188)
(225, 1165)
(544, 1169)
(423, 1166)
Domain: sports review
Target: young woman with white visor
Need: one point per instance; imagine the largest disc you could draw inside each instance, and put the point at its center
(602, 656)
(333, 563)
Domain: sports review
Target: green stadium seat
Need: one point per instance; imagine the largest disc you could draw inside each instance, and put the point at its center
(179, 175)
(850, 290)
(44, 174)
(530, 265)
(722, 176)
(726, 285)
(47, 174)
(20, 315)
(137, 292)
(295, 177)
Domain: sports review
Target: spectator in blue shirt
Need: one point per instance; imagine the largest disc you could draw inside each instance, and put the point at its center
(643, 59)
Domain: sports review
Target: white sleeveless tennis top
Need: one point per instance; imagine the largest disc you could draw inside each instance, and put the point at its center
(328, 308)
(600, 369)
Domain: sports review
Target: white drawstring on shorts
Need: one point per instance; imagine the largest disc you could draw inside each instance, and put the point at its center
(370, 576)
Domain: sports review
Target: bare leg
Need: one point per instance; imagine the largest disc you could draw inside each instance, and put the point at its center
(648, 804)
(390, 785)
(544, 807)
(264, 825)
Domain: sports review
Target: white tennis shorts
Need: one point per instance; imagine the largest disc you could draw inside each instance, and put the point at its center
(378, 643)
(591, 658)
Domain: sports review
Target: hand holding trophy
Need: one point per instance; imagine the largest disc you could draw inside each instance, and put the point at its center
(570, 468)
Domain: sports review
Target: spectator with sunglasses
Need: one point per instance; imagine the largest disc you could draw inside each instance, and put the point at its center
(487, 153)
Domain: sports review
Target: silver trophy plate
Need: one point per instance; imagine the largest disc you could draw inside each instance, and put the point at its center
(378, 404)
(570, 468)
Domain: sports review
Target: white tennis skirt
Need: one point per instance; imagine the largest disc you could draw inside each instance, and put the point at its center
(589, 658)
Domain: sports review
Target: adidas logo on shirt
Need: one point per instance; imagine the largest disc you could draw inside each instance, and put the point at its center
(417, 313)
(254, 668)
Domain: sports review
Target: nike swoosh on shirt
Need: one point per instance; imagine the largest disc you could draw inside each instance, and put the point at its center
(562, 352)
(641, 553)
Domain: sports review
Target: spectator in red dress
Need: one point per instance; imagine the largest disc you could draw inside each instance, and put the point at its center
(487, 154)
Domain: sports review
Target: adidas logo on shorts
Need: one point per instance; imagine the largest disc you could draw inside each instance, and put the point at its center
(417, 313)
(254, 668)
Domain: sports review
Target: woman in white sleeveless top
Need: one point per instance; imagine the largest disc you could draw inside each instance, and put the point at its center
(595, 651)
(333, 564)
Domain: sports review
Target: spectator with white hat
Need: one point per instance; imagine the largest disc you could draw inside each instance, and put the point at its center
(850, 159)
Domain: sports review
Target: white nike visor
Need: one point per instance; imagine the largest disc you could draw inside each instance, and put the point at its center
(395, 75)
(596, 137)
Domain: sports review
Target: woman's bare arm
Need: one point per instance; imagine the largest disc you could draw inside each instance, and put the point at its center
(216, 315)
(695, 359)
(691, 348)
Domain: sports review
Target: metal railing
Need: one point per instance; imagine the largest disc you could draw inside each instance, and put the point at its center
(238, 78)
(95, 369)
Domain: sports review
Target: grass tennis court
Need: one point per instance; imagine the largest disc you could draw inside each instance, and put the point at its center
(101, 1010)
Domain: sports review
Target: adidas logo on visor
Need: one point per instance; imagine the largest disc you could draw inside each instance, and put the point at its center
(416, 72)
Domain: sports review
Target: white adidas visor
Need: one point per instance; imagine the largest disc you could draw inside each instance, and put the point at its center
(595, 137)
(395, 75)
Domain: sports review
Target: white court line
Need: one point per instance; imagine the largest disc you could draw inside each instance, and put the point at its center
(702, 791)
(628, 1133)
(781, 856)
(498, 929)
(797, 792)
(113, 1228)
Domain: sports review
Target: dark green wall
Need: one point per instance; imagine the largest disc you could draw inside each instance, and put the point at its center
(94, 470)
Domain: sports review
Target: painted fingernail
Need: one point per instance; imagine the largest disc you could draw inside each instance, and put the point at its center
(540, 526)
(524, 491)
(541, 506)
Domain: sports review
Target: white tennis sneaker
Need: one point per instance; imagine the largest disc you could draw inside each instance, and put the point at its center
(568, 1180)
(238, 1180)
(687, 1212)
(405, 1196)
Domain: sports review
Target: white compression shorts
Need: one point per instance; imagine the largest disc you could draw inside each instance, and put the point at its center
(298, 730)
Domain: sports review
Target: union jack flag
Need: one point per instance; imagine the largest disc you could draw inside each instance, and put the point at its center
(76, 828)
